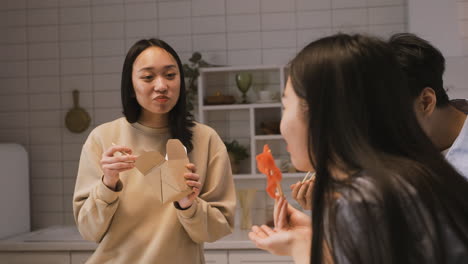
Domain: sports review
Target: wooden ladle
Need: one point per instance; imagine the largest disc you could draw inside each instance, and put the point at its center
(77, 119)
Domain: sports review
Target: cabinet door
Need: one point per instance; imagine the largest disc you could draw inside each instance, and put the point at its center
(80, 257)
(34, 257)
(216, 257)
(255, 257)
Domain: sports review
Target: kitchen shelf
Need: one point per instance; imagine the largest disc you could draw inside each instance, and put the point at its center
(245, 122)
(240, 68)
(268, 137)
(261, 176)
(239, 106)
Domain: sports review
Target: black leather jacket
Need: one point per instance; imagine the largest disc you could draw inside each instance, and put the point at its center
(359, 229)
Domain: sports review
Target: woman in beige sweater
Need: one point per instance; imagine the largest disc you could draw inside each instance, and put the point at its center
(119, 207)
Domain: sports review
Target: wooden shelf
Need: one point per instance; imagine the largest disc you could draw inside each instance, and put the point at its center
(261, 176)
(239, 106)
(241, 68)
(269, 137)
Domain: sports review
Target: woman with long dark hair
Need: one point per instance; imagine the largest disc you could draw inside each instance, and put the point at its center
(119, 207)
(383, 193)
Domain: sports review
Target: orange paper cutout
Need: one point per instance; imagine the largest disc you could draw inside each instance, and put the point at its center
(266, 165)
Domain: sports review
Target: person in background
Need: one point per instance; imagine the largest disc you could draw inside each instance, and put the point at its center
(382, 192)
(115, 205)
(443, 120)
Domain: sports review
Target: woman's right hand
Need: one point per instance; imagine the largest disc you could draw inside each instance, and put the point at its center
(112, 164)
(302, 193)
(286, 216)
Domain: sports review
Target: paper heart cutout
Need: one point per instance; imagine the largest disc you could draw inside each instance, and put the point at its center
(169, 182)
(148, 160)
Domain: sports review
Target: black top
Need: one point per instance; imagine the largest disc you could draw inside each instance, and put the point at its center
(360, 230)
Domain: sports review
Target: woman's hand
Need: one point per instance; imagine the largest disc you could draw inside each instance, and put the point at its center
(112, 164)
(192, 180)
(291, 236)
(287, 217)
(302, 193)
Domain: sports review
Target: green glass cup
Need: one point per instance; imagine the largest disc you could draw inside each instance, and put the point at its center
(243, 81)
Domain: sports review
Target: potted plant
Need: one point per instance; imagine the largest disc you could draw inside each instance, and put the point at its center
(237, 153)
(191, 73)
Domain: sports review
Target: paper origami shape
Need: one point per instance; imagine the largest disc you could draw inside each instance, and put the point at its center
(266, 165)
(166, 176)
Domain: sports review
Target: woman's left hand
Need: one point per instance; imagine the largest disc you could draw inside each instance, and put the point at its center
(192, 180)
(291, 235)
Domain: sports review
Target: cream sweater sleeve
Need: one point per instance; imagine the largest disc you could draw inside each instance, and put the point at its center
(211, 216)
(94, 204)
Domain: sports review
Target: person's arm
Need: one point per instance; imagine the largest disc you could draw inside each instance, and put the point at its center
(94, 203)
(211, 216)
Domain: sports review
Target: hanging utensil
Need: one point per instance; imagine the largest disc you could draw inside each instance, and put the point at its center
(77, 119)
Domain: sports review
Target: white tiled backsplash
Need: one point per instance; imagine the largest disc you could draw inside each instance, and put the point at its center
(49, 48)
(463, 26)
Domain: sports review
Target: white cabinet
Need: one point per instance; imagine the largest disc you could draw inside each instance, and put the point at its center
(213, 256)
(256, 257)
(252, 124)
(40, 257)
(48, 257)
(80, 257)
(216, 257)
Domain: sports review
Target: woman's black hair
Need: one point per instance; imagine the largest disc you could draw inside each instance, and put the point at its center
(180, 120)
(360, 119)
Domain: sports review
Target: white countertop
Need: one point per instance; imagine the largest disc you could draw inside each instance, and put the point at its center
(67, 238)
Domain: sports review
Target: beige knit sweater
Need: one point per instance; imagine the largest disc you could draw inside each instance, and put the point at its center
(132, 225)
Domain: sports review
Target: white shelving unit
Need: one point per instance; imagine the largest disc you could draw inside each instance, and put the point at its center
(242, 121)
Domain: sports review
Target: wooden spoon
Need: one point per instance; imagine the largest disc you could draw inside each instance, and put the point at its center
(77, 119)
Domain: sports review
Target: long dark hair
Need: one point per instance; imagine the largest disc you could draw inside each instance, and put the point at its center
(180, 120)
(360, 118)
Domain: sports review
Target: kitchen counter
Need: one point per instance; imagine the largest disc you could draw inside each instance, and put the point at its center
(64, 245)
(67, 238)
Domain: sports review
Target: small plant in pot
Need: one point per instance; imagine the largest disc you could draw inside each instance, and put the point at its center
(191, 73)
(237, 153)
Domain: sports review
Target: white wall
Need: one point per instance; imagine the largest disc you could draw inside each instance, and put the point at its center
(50, 47)
(437, 22)
(445, 25)
(456, 76)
